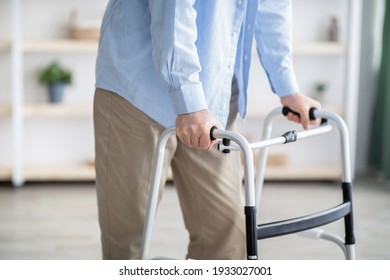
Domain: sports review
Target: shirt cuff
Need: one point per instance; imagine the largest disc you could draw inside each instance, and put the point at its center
(189, 99)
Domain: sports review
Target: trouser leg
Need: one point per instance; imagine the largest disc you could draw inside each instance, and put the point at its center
(125, 140)
(210, 191)
(209, 185)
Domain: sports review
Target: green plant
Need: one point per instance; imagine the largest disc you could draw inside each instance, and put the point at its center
(54, 73)
(320, 87)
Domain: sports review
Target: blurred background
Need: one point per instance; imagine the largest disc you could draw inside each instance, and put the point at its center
(47, 201)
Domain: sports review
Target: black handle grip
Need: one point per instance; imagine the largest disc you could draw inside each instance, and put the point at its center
(287, 110)
(212, 138)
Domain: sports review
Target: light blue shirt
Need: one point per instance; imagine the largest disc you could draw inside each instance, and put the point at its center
(170, 57)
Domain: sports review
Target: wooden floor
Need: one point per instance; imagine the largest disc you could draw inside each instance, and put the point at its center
(59, 221)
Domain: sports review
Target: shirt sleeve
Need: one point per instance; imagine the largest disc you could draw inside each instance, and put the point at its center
(273, 33)
(174, 32)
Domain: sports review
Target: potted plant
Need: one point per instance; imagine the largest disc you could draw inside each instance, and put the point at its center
(320, 90)
(55, 77)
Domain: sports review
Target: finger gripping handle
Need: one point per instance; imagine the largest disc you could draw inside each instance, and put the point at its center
(287, 110)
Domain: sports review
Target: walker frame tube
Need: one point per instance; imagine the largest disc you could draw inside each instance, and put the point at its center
(153, 190)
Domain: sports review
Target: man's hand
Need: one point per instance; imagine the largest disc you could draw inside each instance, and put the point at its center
(301, 104)
(193, 129)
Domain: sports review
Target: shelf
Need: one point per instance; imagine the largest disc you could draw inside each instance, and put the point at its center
(57, 110)
(60, 45)
(299, 172)
(73, 46)
(320, 48)
(5, 110)
(5, 45)
(54, 46)
(5, 173)
(84, 172)
(87, 173)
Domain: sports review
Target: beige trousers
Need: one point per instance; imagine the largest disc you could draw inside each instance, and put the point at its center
(208, 183)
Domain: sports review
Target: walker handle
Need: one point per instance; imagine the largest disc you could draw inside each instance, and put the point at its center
(287, 110)
(212, 138)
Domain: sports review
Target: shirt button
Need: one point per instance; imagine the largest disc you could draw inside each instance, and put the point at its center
(239, 2)
(246, 57)
(234, 34)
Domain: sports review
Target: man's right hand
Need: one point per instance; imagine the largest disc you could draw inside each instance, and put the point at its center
(193, 129)
(301, 104)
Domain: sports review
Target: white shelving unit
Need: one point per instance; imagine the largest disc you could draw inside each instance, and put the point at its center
(5, 110)
(23, 112)
(320, 48)
(57, 110)
(5, 46)
(59, 46)
(5, 115)
(82, 172)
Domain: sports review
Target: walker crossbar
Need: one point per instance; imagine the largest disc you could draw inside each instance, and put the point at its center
(324, 128)
(303, 223)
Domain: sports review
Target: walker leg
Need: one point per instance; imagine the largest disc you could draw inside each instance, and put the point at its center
(348, 222)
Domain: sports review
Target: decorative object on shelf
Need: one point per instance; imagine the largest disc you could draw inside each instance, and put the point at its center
(83, 29)
(319, 91)
(333, 34)
(55, 77)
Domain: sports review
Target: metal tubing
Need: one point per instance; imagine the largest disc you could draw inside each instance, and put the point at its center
(153, 191)
(314, 132)
(248, 162)
(346, 177)
(280, 140)
(335, 239)
(350, 252)
(263, 154)
(344, 138)
(317, 233)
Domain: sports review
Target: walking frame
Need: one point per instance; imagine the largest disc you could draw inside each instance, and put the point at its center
(306, 225)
